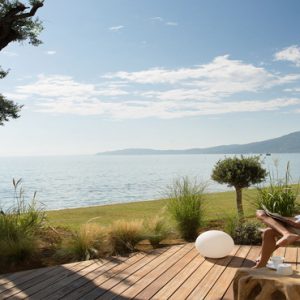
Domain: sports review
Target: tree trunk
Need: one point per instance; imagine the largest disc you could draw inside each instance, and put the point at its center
(239, 203)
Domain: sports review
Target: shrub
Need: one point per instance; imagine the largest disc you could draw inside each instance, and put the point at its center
(124, 235)
(18, 249)
(156, 230)
(243, 232)
(186, 206)
(279, 197)
(86, 243)
(19, 228)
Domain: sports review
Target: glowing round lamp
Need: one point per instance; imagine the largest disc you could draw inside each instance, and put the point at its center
(214, 244)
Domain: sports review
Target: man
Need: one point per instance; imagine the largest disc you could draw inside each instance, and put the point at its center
(287, 233)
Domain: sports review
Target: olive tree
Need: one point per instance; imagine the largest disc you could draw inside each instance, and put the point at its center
(17, 25)
(239, 172)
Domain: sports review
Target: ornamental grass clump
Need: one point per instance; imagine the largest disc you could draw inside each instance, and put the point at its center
(86, 243)
(124, 235)
(156, 230)
(186, 207)
(279, 197)
(19, 228)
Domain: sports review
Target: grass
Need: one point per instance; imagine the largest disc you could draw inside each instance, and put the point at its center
(216, 205)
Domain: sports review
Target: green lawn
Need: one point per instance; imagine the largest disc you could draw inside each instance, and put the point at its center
(216, 206)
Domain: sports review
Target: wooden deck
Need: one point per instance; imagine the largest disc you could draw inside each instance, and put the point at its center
(177, 272)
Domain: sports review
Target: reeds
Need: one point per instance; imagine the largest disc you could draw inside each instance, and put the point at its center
(186, 206)
(19, 228)
(279, 196)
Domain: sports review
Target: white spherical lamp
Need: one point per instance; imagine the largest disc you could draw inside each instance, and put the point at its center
(214, 244)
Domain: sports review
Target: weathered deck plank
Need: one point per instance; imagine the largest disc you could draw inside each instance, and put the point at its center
(177, 272)
(248, 263)
(75, 282)
(170, 288)
(125, 283)
(103, 284)
(114, 277)
(217, 290)
(165, 277)
(144, 281)
(211, 278)
(189, 285)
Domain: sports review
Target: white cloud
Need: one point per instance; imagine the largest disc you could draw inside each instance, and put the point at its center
(292, 90)
(64, 87)
(161, 20)
(55, 86)
(291, 54)
(171, 23)
(218, 87)
(10, 53)
(15, 96)
(116, 28)
(220, 68)
(51, 52)
(219, 78)
(62, 94)
(164, 110)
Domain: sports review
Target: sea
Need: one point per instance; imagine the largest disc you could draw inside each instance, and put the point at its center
(80, 181)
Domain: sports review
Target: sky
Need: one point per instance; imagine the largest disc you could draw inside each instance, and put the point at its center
(154, 74)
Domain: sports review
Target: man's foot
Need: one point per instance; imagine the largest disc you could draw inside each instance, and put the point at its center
(258, 265)
(287, 239)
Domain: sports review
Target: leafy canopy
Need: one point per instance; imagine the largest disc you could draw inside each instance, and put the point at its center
(239, 172)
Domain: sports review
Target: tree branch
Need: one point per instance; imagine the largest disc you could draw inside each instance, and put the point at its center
(7, 31)
(32, 12)
(19, 8)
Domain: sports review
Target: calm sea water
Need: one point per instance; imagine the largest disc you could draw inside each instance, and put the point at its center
(76, 181)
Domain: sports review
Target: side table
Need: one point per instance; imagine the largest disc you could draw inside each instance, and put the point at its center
(265, 284)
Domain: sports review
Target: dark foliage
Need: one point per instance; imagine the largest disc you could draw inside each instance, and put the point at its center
(246, 233)
(8, 109)
(17, 25)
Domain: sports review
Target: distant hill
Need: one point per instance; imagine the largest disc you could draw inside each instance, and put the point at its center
(289, 143)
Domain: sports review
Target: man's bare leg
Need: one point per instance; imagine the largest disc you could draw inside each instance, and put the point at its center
(287, 236)
(268, 246)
